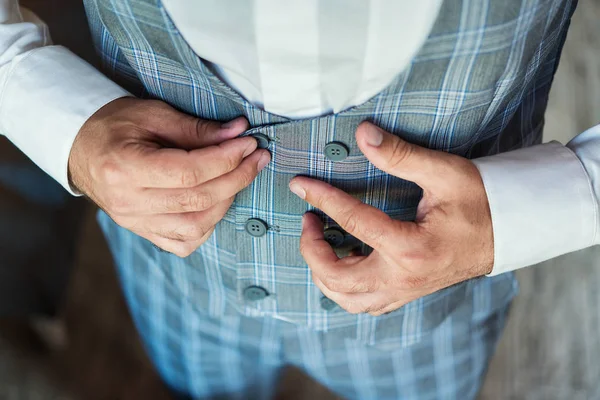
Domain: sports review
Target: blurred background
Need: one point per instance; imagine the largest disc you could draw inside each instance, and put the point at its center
(65, 332)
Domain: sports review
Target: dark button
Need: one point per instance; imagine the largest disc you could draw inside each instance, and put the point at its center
(255, 293)
(334, 236)
(262, 140)
(256, 227)
(336, 151)
(327, 304)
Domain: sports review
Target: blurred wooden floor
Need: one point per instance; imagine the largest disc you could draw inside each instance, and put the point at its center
(549, 350)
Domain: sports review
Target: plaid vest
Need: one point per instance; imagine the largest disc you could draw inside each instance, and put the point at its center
(478, 86)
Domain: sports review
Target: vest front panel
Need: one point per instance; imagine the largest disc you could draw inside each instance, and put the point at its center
(478, 86)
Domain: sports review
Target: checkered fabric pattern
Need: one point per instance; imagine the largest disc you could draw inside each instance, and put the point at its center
(478, 86)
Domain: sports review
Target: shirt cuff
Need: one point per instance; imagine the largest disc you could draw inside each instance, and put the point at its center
(541, 202)
(46, 95)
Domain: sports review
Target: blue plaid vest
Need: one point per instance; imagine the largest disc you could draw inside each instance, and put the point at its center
(478, 86)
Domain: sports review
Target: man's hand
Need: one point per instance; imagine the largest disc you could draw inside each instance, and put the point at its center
(162, 174)
(450, 241)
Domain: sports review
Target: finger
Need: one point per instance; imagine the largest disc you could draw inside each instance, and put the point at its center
(313, 245)
(346, 275)
(397, 157)
(181, 249)
(187, 226)
(205, 196)
(375, 304)
(366, 223)
(176, 168)
(186, 131)
(177, 227)
(341, 299)
(197, 133)
(354, 303)
(388, 308)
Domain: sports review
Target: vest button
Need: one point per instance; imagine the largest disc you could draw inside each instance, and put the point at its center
(327, 304)
(334, 236)
(255, 293)
(263, 141)
(336, 151)
(256, 227)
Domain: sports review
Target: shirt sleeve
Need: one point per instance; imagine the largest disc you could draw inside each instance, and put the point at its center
(46, 91)
(543, 200)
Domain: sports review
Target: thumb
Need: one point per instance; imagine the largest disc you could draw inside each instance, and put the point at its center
(397, 157)
(188, 132)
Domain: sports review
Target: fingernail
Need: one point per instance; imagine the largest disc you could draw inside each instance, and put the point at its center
(373, 136)
(303, 221)
(250, 149)
(297, 190)
(232, 123)
(264, 160)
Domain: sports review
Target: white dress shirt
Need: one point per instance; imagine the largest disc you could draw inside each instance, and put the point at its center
(543, 199)
(304, 58)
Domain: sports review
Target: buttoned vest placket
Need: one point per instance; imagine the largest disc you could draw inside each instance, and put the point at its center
(478, 86)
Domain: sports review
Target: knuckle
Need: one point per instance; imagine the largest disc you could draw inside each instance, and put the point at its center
(181, 249)
(195, 129)
(336, 283)
(190, 177)
(230, 159)
(349, 223)
(233, 160)
(372, 232)
(118, 205)
(193, 201)
(401, 152)
(202, 200)
(331, 282)
(246, 176)
(321, 200)
(353, 307)
(108, 173)
(191, 127)
(200, 128)
(376, 312)
(416, 260)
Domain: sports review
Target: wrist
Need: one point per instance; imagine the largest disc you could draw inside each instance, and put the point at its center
(85, 138)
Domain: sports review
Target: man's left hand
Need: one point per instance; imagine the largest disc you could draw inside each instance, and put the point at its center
(450, 241)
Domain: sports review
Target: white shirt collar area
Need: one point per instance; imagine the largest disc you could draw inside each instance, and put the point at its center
(303, 58)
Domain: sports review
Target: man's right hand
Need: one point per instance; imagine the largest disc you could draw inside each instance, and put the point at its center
(164, 175)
